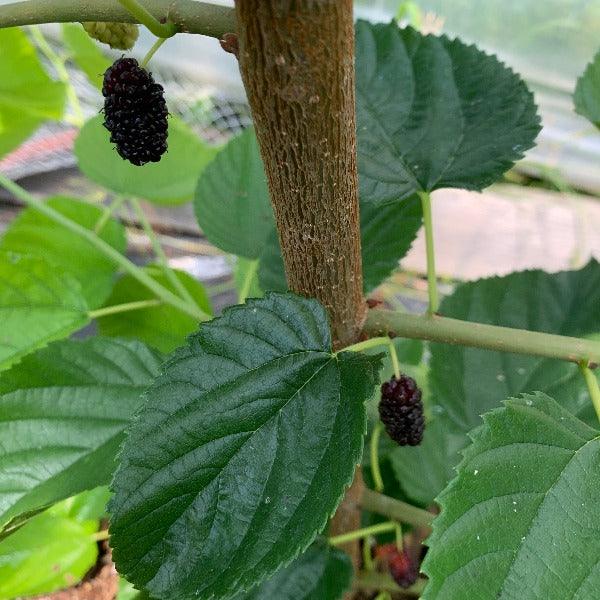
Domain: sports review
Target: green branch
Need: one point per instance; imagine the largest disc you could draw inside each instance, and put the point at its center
(476, 335)
(121, 308)
(395, 509)
(155, 47)
(108, 212)
(106, 249)
(358, 534)
(374, 454)
(63, 74)
(189, 16)
(163, 261)
(146, 18)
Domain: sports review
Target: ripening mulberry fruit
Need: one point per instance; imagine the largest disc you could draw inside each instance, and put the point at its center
(401, 410)
(120, 36)
(135, 112)
(403, 569)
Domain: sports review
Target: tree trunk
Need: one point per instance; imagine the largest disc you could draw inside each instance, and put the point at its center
(297, 62)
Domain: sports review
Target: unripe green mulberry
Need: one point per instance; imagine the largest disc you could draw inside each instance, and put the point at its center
(121, 36)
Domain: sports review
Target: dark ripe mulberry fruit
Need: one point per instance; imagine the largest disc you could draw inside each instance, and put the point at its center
(135, 112)
(403, 569)
(401, 410)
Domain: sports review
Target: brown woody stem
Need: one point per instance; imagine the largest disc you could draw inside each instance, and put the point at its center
(297, 62)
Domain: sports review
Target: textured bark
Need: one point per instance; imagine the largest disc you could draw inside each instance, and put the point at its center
(297, 62)
(347, 518)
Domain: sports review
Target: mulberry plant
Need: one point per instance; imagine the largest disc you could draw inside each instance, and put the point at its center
(222, 450)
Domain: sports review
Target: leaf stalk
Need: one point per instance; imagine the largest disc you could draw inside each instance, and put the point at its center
(358, 534)
(374, 454)
(163, 261)
(146, 18)
(121, 308)
(396, 509)
(434, 302)
(129, 267)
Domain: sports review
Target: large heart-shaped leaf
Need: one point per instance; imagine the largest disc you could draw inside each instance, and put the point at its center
(85, 52)
(387, 233)
(62, 415)
(241, 451)
(170, 181)
(320, 573)
(33, 233)
(164, 327)
(434, 113)
(522, 519)
(232, 199)
(27, 94)
(38, 304)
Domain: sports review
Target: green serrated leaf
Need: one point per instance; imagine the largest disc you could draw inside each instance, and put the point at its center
(85, 52)
(33, 233)
(62, 415)
(435, 456)
(170, 181)
(48, 553)
(38, 304)
(127, 591)
(241, 452)
(434, 113)
(587, 92)
(320, 573)
(232, 199)
(27, 94)
(522, 517)
(163, 327)
(467, 382)
(387, 233)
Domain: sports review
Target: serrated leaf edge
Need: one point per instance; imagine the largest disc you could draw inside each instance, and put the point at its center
(469, 452)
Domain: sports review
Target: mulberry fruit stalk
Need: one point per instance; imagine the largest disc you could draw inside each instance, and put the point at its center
(135, 112)
(120, 36)
(401, 410)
